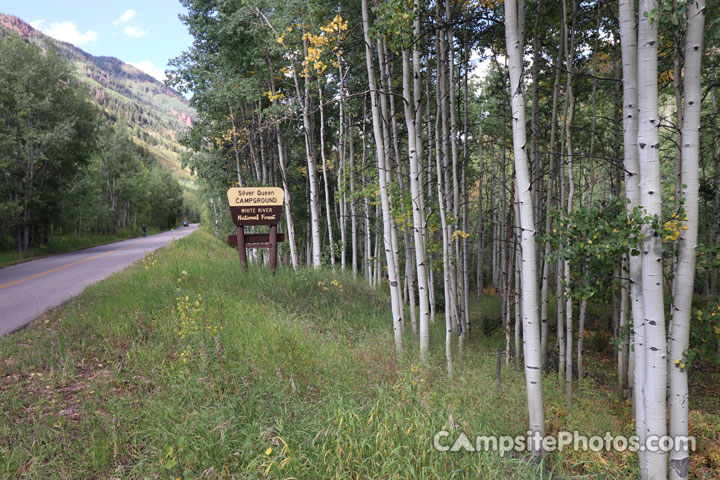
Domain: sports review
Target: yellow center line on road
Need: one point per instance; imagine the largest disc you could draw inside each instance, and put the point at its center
(37, 275)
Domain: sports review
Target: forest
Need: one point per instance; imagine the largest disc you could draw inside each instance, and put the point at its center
(68, 168)
(558, 154)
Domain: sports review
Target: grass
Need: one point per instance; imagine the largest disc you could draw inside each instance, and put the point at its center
(183, 366)
(68, 243)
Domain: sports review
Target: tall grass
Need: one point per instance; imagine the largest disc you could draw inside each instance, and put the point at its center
(184, 366)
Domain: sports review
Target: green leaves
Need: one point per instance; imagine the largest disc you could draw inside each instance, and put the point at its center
(594, 238)
(394, 23)
(47, 131)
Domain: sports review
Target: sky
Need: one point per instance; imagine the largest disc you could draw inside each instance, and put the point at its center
(145, 33)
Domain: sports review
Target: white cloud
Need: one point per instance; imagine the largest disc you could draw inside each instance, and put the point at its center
(125, 17)
(134, 32)
(148, 67)
(68, 32)
(37, 24)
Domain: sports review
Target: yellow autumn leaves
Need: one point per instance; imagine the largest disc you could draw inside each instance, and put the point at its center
(273, 96)
(330, 36)
(673, 227)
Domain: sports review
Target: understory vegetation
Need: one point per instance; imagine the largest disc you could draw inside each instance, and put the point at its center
(183, 366)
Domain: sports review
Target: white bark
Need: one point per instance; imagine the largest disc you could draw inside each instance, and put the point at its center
(342, 170)
(442, 153)
(517, 296)
(447, 289)
(353, 207)
(569, 108)
(215, 214)
(628, 41)
(545, 288)
(288, 214)
(560, 318)
(685, 275)
(652, 274)
(236, 150)
(418, 207)
(386, 122)
(514, 32)
(328, 214)
(624, 344)
(283, 163)
(311, 167)
(382, 178)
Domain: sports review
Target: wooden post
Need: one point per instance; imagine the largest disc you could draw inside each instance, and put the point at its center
(273, 248)
(256, 206)
(242, 253)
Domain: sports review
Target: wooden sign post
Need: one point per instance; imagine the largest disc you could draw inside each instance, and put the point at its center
(256, 206)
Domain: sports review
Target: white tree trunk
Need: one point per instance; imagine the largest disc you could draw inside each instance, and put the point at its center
(545, 289)
(518, 309)
(386, 121)
(236, 150)
(288, 213)
(418, 206)
(328, 214)
(685, 275)
(569, 108)
(650, 197)
(382, 178)
(514, 33)
(342, 171)
(215, 214)
(447, 270)
(353, 207)
(624, 344)
(628, 41)
(311, 167)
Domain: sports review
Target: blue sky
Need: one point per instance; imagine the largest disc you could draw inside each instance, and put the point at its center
(144, 33)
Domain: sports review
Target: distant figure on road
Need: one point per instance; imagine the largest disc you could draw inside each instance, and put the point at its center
(144, 230)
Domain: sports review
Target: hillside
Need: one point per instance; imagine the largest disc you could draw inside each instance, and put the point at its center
(155, 113)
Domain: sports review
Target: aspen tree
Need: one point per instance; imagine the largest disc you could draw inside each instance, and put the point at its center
(545, 288)
(624, 344)
(413, 122)
(328, 214)
(382, 179)
(650, 198)
(353, 205)
(447, 269)
(283, 163)
(685, 275)
(514, 33)
(304, 94)
(569, 110)
(629, 49)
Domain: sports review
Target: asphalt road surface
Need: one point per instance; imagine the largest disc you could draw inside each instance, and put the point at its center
(29, 289)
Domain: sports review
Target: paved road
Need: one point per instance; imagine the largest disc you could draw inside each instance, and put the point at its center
(29, 289)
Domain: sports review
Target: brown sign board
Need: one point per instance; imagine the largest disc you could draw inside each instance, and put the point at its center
(256, 215)
(256, 205)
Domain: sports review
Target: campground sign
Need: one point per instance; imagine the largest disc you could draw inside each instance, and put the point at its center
(256, 206)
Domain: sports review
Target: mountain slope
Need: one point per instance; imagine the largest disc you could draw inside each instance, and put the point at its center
(155, 113)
